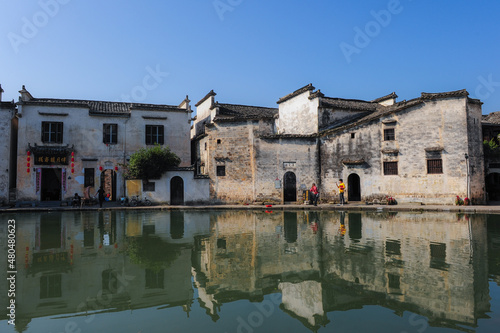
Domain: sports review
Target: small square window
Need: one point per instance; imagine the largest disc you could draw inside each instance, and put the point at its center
(394, 281)
(390, 168)
(148, 187)
(221, 243)
(389, 134)
(50, 286)
(392, 247)
(353, 135)
(155, 279)
(435, 166)
(218, 141)
(221, 170)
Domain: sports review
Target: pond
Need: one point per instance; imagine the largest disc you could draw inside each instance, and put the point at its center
(250, 271)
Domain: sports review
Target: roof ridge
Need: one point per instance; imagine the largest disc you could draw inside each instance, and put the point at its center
(297, 92)
(210, 93)
(251, 106)
(383, 98)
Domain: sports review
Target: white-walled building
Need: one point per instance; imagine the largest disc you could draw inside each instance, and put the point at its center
(66, 145)
(7, 170)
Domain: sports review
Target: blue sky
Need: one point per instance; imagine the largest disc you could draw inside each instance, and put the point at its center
(249, 51)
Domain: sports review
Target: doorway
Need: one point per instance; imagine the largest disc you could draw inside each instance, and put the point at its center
(108, 183)
(51, 184)
(493, 186)
(353, 187)
(176, 191)
(289, 187)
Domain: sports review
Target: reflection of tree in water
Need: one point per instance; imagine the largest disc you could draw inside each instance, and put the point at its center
(152, 252)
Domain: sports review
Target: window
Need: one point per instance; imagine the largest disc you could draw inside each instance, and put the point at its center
(89, 177)
(438, 256)
(218, 141)
(110, 133)
(205, 146)
(394, 281)
(389, 134)
(390, 168)
(392, 247)
(221, 243)
(50, 286)
(221, 170)
(155, 279)
(435, 166)
(353, 135)
(148, 187)
(109, 281)
(52, 132)
(154, 134)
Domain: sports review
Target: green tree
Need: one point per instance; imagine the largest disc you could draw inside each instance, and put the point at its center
(151, 163)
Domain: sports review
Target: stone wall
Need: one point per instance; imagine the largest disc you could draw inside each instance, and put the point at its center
(6, 115)
(276, 156)
(432, 129)
(230, 146)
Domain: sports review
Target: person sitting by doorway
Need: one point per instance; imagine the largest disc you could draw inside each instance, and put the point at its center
(76, 200)
(314, 194)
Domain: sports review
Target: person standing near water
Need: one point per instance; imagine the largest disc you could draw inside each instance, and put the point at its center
(341, 187)
(101, 196)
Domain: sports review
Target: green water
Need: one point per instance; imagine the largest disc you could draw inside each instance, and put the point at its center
(251, 271)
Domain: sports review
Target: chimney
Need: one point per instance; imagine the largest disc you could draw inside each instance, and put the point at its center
(25, 95)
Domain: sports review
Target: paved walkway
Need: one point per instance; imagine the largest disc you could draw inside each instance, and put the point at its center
(491, 208)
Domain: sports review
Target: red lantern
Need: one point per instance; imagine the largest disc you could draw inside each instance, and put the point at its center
(28, 164)
(29, 153)
(72, 154)
(72, 165)
(100, 168)
(29, 159)
(116, 168)
(72, 159)
(72, 170)
(28, 170)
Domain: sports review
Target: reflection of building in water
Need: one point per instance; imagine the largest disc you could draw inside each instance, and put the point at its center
(80, 262)
(249, 255)
(4, 299)
(494, 247)
(432, 265)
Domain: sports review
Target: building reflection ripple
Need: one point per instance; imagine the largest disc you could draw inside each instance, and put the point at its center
(79, 264)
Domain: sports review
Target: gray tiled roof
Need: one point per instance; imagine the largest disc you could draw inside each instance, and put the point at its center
(492, 118)
(387, 110)
(232, 112)
(7, 105)
(101, 107)
(349, 104)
